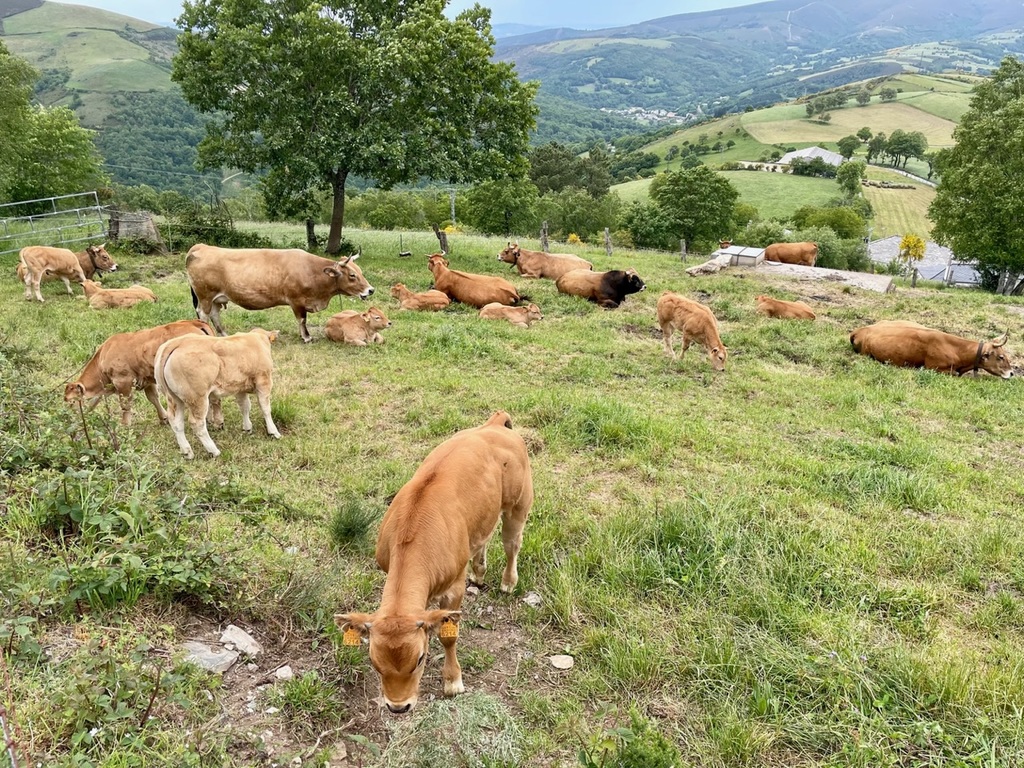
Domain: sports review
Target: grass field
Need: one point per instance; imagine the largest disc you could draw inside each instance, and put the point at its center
(898, 211)
(810, 559)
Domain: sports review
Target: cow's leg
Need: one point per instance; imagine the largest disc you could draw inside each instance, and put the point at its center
(211, 315)
(197, 412)
(150, 390)
(300, 315)
(479, 562)
(216, 412)
(263, 396)
(244, 405)
(513, 520)
(666, 334)
(177, 419)
(377, 339)
(452, 672)
(28, 284)
(124, 395)
(35, 286)
(67, 286)
(687, 341)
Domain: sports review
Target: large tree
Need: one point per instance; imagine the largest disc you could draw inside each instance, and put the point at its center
(696, 204)
(16, 78)
(978, 208)
(315, 92)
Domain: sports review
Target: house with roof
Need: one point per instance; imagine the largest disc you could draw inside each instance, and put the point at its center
(832, 158)
(939, 262)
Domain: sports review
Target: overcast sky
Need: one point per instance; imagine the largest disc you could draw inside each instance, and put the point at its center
(582, 14)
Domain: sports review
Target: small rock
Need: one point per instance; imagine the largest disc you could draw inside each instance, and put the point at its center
(472, 590)
(489, 609)
(242, 640)
(272, 710)
(252, 667)
(339, 752)
(561, 661)
(284, 673)
(291, 550)
(205, 657)
(532, 599)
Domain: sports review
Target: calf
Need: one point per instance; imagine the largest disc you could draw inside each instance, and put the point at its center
(125, 361)
(351, 327)
(425, 300)
(475, 290)
(38, 263)
(606, 289)
(786, 310)
(538, 264)
(193, 372)
(913, 345)
(695, 322)
(116, 298)
(520, 316)
(439, 520)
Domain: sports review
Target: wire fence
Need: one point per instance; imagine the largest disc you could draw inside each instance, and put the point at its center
(58, 220)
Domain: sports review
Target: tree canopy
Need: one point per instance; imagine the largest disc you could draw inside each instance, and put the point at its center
(978, 208)
(696, 204)
(314, 93)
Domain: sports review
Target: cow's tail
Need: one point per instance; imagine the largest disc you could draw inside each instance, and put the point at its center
(523, 298)
(161, 379)
(854, 343)
(195, 300)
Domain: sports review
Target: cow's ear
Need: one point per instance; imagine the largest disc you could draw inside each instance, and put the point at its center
(432, 620)
(272, 335)
(355, 627)
(331, 272)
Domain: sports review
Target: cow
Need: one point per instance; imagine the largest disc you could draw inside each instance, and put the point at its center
(429, 301)
(38, 263)
(351, 327)
(259, 278)
(116, 298)
(537, 264)
(193, 372)
(695, 322)
(792, 253)
(475, 290)
(606, 289)
(125, 361)
(439, 521)
(786, 310)
(518, 316)
(904, 343)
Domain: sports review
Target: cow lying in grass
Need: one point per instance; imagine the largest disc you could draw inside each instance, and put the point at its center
(519, 316)
(427, 301)
(125, 362)
(537, 264)
(439, 521)
(40, 263)
(469, 288)
(904, 343)
(785, 310)
(695, 322)
(360, 329)
(606, 289)
(116, 298)
(194, 372)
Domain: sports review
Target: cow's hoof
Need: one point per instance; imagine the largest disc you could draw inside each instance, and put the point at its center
(454, 688)
(276, 435)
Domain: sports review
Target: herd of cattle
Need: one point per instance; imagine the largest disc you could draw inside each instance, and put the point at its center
(445, 515)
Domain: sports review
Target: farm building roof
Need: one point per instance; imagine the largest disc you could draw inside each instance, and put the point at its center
(832, 158)
(932, 266)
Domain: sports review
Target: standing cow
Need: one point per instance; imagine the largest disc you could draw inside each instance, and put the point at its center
(804, 254)
(259, 278)
(39, 263)
(695, 322)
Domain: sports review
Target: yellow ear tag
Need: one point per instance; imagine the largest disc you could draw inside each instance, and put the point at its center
(448, 629)
(352, 637)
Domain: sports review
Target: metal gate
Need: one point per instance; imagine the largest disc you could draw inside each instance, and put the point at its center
(60, 220)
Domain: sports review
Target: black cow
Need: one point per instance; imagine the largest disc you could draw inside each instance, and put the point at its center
(606, 289)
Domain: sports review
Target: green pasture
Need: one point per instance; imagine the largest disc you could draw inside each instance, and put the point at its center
(898, 211)
(810, 559)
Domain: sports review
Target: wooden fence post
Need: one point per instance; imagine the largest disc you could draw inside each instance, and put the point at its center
(682, 250)
(544, 237)
(607, 242)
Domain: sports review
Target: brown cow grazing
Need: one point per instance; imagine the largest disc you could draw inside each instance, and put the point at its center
(193, 372)
(38, 263)
(903, 343)
(606, 289)
(537, 264)
(786, 310)
(351, 327)
(428, 301)
(475, 290)
(125, 361)
(439, 520)
(259, 278)
(792, 253)
(116, 298)
(518, 316)
(695, 322)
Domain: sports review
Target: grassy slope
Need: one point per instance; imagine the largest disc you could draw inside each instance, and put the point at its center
(811, 559)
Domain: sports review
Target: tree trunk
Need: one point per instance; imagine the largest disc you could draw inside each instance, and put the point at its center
(337, 212)
(312, 244)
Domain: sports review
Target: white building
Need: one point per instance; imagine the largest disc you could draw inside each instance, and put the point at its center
(832, 158)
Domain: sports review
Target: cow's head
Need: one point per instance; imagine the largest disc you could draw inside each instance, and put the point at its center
(397, 290)
(398, 649)
(375, 319)
(510, 253)
(995, 359)
(348, 278)
(533, 313)
(100, 258)
(717, 355)
(633, 282)
(435, 261)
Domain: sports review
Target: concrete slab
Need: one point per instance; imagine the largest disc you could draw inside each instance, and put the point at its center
(865, 280)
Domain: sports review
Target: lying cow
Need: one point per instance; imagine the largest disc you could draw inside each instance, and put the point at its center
(475, 290)
(792, 253)
(695, 322)
(259, 278)
(39, 263)
(786, 310)
(518, 316)
(903, 343)
(116, 298)
(429, 301)
(125, 361)
(351, 327)
(439, 520)
(606, 289)
(539, 264)
(193, 372)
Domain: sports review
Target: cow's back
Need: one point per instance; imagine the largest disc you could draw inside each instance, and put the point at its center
(253, 278)
(580, 282)
(686, 315)
(44, 258)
